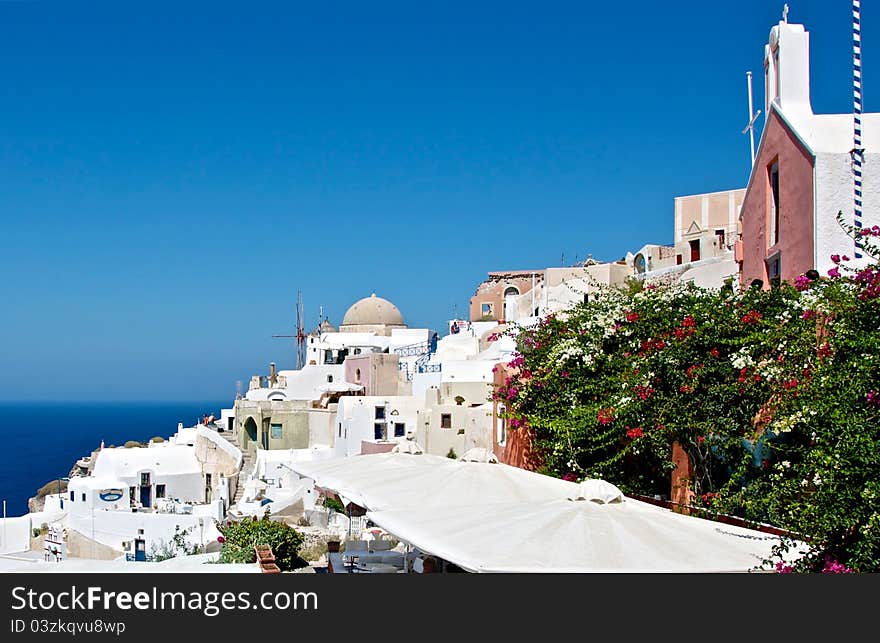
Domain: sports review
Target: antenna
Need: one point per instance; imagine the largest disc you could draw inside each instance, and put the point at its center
(753, 116)
(300, 332)
(785, 13)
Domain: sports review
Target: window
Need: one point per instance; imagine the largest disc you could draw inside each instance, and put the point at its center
(328, 357)
(773, 235)
(329, 379)
(380, 413)
(695, 249)
(486, 310)
(510, 290)
(145, 479)
(678, 260)
(160, 490)
(71, 497)
(446, 420)
(399, 429)
(774, 270)
(339, 434)
(83, 497)
(719, 234)
(502, 431)
(276, 431)
(357, 375)
(586, 299)
(379, 430)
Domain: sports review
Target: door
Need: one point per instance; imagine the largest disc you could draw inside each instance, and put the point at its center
(209, 494)
(146, 490)
(140, 549)
(265, 440)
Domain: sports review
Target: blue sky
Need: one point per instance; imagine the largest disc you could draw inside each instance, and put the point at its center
(172, 173)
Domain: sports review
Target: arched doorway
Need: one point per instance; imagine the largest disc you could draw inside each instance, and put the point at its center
(251, 428)
(510, 295)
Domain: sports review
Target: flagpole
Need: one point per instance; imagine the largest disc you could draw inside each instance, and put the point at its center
(858, 157)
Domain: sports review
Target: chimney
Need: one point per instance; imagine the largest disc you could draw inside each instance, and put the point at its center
(787, 69)
(272, 374)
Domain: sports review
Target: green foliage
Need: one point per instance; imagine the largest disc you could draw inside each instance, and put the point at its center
(451, 454)
(333, 504)
(177, 547)
(774, 395)
(241, 537)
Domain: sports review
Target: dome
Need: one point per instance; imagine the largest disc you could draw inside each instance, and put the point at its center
(373, 311)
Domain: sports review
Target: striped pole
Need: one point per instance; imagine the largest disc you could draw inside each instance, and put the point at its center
(857, 153)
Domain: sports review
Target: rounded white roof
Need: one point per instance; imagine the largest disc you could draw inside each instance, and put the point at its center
(373, 311)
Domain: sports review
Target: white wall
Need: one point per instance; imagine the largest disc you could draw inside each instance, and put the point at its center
(357, 417)
(834, 192)
(112, 528)
(15, 534)
(423, 381)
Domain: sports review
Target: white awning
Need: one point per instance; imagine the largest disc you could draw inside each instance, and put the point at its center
(576, 536)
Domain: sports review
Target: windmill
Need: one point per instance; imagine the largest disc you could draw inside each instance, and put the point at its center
(300, 333)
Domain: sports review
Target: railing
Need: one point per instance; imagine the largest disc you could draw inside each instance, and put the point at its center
(412, 349)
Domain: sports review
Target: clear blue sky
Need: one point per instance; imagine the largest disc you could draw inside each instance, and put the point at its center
(171, 173)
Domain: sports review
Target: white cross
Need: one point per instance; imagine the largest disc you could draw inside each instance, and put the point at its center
(785, 13)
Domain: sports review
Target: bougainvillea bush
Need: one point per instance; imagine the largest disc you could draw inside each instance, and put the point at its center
(774, 395)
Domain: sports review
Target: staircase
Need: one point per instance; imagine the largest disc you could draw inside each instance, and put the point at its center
(247, 466)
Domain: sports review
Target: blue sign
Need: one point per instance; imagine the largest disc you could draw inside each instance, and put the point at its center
(110, 495)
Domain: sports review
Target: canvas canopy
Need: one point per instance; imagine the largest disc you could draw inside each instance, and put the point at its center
(577, 536)
(399, 480)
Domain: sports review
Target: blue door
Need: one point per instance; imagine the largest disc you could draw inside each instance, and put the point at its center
(140, 550)
(146, 490)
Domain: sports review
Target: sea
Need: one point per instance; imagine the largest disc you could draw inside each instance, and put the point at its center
(41, 441)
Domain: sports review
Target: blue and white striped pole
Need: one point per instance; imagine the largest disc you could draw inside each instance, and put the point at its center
(858, 153)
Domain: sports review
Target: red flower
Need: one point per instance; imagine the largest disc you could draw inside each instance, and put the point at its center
(688, 322)
(714, 352)
(684, 388)
(635, 433)
(824, 351)
(631, 316)
(643, 392)
(700, 439)
(752, 317)
(605, 416)
(790, 384)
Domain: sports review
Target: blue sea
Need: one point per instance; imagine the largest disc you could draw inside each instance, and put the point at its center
(42, 440)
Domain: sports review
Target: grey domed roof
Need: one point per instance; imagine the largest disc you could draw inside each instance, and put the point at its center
(373, 311)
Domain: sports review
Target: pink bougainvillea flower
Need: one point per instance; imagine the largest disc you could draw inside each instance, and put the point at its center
(782, 568)
(834, 273)
(802, 282)
(835, 258)
(835, 567)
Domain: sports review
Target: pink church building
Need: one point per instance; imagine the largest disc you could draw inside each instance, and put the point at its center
(802, 174)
